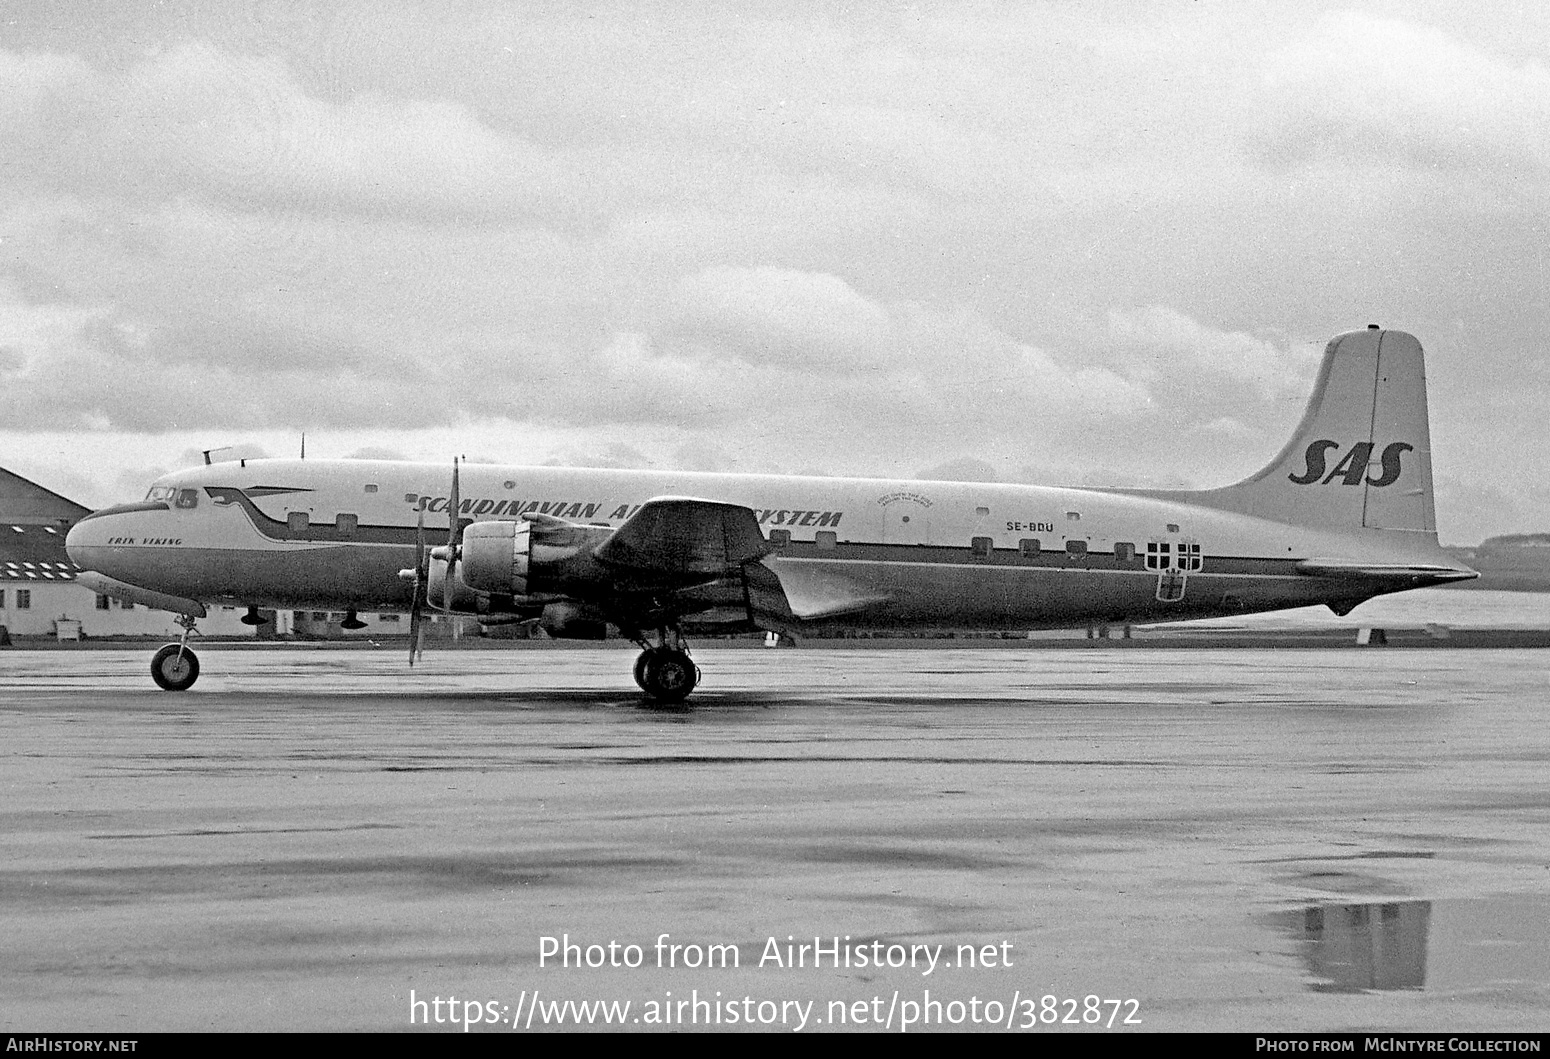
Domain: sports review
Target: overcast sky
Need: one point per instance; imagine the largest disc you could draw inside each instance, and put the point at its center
(1063, 243)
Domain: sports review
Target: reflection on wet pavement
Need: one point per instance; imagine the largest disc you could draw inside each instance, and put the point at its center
(1365, 946)
(1455, 944)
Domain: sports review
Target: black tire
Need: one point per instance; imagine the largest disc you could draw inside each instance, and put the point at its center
(640, 668)
(175, 668)
(669, 676)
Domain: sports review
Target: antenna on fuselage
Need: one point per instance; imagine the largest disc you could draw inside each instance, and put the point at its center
(303, 444)
(223, 448)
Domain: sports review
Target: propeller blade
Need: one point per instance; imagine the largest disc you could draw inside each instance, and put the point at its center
(454, 533)
(417, 606)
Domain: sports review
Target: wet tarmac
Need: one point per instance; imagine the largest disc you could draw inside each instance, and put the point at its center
(1216, 840)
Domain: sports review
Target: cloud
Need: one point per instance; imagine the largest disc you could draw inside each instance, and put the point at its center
(199, 119)
(782, 315)
(1380, 91)
(1160, 343)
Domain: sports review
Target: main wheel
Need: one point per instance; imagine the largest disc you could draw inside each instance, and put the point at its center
(640, 667)
(175, 668)
(667, 675)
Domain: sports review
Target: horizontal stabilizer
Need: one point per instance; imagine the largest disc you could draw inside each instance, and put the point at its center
(1353, 570)
(683, 537)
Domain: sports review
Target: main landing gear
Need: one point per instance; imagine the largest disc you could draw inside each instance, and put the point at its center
(665, 671)
(175, 667)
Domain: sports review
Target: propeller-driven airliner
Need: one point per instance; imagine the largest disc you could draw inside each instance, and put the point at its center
(1342, 514)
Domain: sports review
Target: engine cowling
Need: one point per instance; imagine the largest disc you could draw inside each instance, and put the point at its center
(497, 557)
(532, 557)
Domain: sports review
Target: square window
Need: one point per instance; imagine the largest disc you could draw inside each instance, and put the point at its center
(1124, 552)
(979, 547)
(780, 538)
(1076, 548)
(23, 599)
(346, 524)
(827, 540)
(298, 521)
(1028, 547)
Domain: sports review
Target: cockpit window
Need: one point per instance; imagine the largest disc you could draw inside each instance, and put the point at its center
(160, 492)
(187, 498)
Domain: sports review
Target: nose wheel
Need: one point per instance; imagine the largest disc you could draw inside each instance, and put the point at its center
(667, 674)
(175, 668)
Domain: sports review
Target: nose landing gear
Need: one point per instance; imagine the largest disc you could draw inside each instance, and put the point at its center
(175, 667)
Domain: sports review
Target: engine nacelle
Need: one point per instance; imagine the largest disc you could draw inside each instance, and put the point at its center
(532, 557)
(497, 557)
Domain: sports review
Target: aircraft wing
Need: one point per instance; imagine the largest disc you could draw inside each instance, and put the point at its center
(681, 541)
(1355, 570)
(677, 539)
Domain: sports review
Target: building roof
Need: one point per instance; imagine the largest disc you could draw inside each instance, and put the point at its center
(34, 554)
(27, 503)
(33, 524)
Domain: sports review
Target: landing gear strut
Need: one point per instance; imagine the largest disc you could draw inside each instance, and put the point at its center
(175, 667)
(665, 672)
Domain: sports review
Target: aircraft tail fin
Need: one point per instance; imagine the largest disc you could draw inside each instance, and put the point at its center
(1361, 457)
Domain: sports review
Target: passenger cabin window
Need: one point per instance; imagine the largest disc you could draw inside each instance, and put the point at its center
(346, 524)
(1028, 547)
(411, 498)
(979, 548)
(780, 538)
(371, 488)
(187, 498)
(1076, 548)
(1124, 552)
(982, 511)
(102, 602)
(826, 540)
(298, 521)
(1073, 516)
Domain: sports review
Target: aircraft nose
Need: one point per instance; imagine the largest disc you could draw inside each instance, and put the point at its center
(90, 542)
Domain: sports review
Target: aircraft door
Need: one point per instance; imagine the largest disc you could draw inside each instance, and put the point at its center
(1173, 560)
(906, 518)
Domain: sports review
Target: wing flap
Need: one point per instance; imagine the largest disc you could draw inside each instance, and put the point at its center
(809, 590)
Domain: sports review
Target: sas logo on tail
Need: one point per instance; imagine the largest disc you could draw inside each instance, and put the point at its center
(1353, 467)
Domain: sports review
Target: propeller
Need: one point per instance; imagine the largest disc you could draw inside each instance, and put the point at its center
(419, 577)
(417, 609)
(454, 535)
